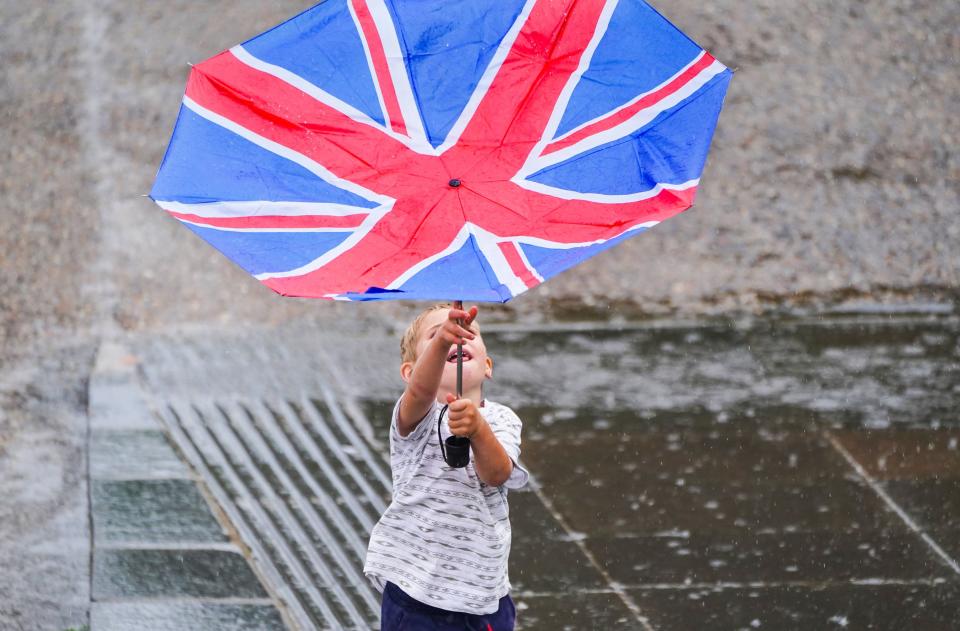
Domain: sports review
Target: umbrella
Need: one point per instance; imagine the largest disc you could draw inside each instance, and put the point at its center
(380, 149)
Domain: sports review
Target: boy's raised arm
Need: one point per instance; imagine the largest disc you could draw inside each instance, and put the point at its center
(424, 382)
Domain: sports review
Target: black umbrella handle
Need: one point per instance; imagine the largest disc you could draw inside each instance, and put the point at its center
(457, 453)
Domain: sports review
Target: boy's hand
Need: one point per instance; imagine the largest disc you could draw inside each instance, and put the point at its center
(452, 332)
(463, 417)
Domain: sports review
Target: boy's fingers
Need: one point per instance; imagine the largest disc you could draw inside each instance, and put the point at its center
(471, 315)
(451, 398)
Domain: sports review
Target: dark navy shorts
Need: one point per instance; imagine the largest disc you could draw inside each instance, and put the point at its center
(400, 612)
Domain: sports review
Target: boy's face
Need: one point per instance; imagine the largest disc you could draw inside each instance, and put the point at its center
(477, 366)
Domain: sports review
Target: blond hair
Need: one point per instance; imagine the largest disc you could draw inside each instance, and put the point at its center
(408, 343)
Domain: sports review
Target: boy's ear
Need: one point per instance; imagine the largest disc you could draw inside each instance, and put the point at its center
(406, 371)
(488, 372)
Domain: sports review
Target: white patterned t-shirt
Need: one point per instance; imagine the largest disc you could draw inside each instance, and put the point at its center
(445, 537)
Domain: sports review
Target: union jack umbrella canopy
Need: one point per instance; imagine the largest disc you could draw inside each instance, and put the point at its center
(436, 149)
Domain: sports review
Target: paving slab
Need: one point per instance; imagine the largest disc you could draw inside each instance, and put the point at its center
(932, 503)
(133, 455)
(115, 405)
(552, 566)
(121, 574)
(734, 477)
(733, 453)
(543, 557)
(913, 454)
(948, 538)
(705, 557)
(184, 616)
(801, 608)
(574, 611)
(152, 511)
(530, 520)
(686, 504)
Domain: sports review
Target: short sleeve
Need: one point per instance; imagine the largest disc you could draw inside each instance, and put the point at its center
(506, 426)
(418, 432)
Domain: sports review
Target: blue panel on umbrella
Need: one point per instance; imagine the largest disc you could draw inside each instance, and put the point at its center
(550, 262)
(261, 252)
(672, 149)
(464, 275)
(448, 44)
(618, 73)
(323, 46)
(207, 163)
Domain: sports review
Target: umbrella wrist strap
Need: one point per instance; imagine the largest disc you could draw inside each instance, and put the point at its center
(439, 435)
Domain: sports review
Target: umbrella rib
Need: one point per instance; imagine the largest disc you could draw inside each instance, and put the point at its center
(495, 202)
(495, 283)
(630, 137)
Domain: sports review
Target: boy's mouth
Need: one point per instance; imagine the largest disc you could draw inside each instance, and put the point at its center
(452, 357)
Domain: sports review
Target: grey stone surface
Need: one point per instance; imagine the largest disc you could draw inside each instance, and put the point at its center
(125, 574)
(44, 534)
(183, 616)
(118, 405)
(116, 402)
(151, 511)
(131, 455)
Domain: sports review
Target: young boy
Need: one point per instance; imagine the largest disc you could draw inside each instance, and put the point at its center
(439, 552)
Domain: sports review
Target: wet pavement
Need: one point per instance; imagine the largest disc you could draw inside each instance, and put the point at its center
(735, 475)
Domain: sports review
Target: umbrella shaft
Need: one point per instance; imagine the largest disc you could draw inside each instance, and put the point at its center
(457, 304)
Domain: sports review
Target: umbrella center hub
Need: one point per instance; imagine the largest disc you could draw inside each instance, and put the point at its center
(454, 183)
